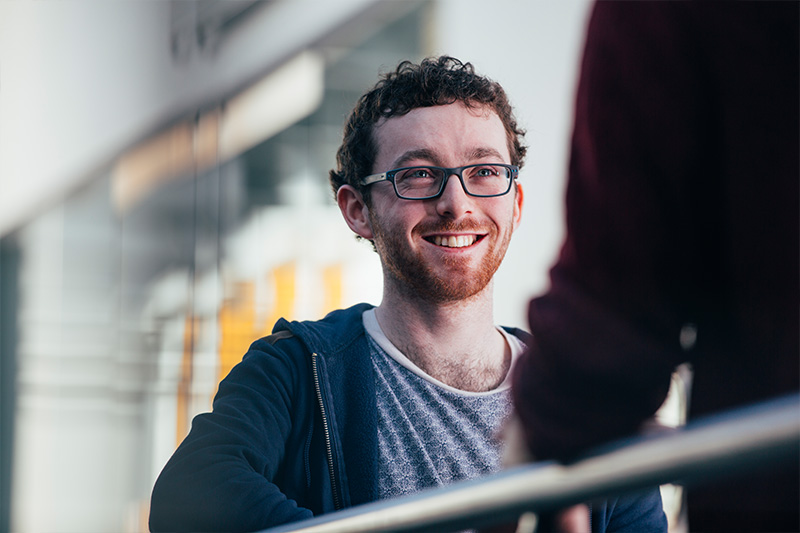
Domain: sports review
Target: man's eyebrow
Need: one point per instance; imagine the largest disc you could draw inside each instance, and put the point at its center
(486, 152)
(425, 154)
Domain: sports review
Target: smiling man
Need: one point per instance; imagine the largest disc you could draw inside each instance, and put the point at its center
(376, 402)
(439, 242)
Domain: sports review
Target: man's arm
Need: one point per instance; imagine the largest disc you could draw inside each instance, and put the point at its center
(221, 478)
(607, 332)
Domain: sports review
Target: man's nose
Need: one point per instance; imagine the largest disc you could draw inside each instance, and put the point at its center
(454, 200)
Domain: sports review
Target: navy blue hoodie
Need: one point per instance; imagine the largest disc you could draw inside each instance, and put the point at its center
(293, 434)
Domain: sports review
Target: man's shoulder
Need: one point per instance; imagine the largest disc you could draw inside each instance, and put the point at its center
(329, 334)
(288, 349)
(278, 336)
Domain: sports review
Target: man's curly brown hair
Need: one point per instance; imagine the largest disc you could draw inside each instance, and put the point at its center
(434, 81)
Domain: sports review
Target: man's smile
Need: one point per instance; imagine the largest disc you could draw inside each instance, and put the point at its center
(453, 241)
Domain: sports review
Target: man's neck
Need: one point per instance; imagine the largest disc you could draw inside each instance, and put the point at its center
(457, 343)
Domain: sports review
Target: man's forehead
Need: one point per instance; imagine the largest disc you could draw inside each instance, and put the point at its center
(477, 110)
(438, 132)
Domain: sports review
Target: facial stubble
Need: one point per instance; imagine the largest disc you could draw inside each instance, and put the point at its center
(409, 272)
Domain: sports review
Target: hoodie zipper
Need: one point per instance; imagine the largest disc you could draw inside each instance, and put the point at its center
(337, 504)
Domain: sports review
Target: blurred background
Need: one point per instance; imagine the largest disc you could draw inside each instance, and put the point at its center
(164, 199)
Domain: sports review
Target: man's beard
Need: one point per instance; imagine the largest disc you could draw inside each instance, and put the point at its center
(416, 278)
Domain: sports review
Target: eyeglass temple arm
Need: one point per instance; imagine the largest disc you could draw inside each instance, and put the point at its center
(374, 178)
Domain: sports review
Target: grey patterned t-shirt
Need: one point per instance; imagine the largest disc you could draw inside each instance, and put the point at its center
(431, 434)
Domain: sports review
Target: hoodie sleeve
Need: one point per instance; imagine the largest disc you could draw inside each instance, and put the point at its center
(638, 512)
(225, 474)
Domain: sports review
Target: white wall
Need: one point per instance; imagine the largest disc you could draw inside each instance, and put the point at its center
(78, 80)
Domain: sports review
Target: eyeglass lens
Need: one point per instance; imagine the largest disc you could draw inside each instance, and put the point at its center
(479, 180)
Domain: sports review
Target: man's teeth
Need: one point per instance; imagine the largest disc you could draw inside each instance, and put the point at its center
(454, 241)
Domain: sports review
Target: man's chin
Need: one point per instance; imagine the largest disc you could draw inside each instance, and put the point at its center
(441, 280)
(453, 288)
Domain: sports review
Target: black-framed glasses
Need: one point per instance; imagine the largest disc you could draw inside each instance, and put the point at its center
(483, 180)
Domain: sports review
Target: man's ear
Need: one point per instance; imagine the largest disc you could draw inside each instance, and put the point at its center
(354, 211)
(518, 201)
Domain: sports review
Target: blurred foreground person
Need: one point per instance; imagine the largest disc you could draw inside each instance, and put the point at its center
(682, 239)
(377, 402)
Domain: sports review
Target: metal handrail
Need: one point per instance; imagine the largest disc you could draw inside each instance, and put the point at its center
(721, 445)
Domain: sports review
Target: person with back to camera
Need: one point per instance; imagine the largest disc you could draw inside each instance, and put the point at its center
(377, 402)
(682, 240)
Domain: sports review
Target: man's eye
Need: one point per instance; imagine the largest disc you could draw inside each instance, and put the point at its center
(485, 172)
(417, 173)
